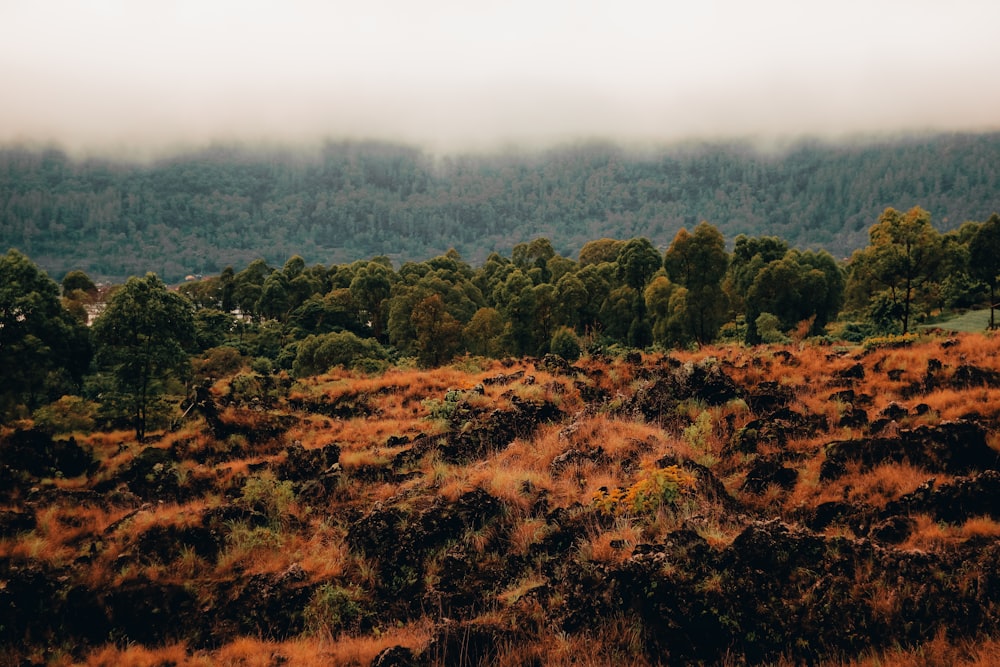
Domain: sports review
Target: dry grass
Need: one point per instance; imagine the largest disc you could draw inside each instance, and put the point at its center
(251, 652)
(600, 449)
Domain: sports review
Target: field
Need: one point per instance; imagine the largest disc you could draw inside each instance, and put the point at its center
(727, 505)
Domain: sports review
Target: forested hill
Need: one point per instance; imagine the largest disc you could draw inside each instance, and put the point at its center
(198, 212)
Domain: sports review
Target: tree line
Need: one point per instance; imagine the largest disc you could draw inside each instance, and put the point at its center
(200, 212)
(303, 319)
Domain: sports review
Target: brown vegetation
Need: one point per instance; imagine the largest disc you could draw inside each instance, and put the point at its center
(726, 505)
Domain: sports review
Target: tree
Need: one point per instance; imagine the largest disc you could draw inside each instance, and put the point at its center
(637, 261)
(141, 338)
(318, 353)
(698, 262)
(984, 258)
(902, 258)
(370, 289)
(77, 280)
(599, 251)
(438, 333)
(44, 350)
(482, 335)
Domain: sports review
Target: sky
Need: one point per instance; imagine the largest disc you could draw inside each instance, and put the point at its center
(154, 75)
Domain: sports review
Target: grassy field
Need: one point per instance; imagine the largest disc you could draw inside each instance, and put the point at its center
(969, 322)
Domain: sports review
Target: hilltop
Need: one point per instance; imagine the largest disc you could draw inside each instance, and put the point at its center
(800, 503)
(199, 212)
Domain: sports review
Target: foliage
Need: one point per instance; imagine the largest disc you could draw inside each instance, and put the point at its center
(140, 339)
(68, 414)
(263, 492)
(44, 350)
(318, 353)
(348, 200)
(566, 344)
(331, 610)
(653, 489)
(769, 329)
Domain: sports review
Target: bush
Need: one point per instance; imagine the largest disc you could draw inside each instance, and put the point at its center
(331, 610)
(217, 362)
(566, 344)
(769, 329)
(68, 414)
(655, 488)
(318, 353)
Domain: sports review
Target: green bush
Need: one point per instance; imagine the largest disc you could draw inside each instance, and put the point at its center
(318, 353)
(566, 344)
(68, 414)
(331, 610)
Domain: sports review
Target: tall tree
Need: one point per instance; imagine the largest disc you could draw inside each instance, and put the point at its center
(44, 350)
(438, 334)
(141, 338)
(698, 262)
(902, 258)
(984, 258)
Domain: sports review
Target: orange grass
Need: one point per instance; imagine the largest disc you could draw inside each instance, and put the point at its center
(251, 652)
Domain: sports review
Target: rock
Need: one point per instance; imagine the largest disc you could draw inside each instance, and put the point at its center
(13, 522)
(765, 473)
(556, 365)
(164, 544)
(473, 435)
(574, 456)
(956, 448)
(894, 530)
(303, 464)
(956, 502)
(767, 397)
(152, 612)
(395, 656)
(36, 453)
(966, 376)
(855, 372)
(853, 417)
(894, 412)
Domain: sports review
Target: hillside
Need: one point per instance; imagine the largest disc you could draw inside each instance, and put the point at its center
(733, 505)
(200, 212)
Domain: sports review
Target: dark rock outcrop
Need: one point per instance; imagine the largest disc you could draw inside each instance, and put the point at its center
(956, 448)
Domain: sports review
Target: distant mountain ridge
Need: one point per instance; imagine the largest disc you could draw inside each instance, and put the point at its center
(198, 212)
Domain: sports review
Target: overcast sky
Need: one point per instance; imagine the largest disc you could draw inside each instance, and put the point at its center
(457, 74)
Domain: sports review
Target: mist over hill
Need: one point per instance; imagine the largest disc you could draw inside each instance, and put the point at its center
(200, 211)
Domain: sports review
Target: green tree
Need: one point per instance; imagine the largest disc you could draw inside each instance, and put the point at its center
(141, 338)
(637, 261)
(438, 334)
(77, 280)
(370, 289)
(483, 334)
(44, 350)
(903, 256)
(698, 262)
(984, 258)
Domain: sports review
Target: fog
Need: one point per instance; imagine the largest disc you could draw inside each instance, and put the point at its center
(143, 76)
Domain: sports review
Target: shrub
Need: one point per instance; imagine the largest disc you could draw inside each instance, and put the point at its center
(317, 354)
(331, 610)
(654, 488)
(768, 328)
(263, 492)
(68, 414)
(566, 344)
(217, 362)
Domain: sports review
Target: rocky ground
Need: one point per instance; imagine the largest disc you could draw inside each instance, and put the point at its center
(804, 504)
